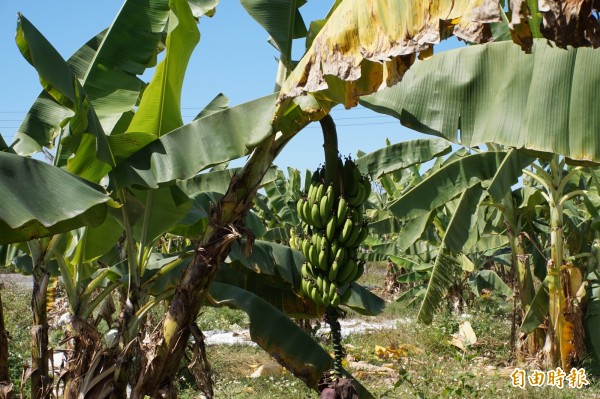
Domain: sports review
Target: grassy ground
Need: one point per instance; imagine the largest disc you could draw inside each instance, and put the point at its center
(409, 361)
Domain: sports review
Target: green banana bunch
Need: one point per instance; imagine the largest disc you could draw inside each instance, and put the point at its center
(332, 230)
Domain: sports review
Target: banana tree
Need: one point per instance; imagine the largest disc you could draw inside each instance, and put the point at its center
(290, 117)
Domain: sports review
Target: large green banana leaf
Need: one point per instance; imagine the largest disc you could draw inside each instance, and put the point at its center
(270, 288)
(496, 93)
(279, 267)
(446, 263)
(288, 343)
(208, 141)
(281, 19)
(453, 179)
(159, 111)
(39, 200)
(368, 44)
(402, 155)
(62, 85)
(107, 67)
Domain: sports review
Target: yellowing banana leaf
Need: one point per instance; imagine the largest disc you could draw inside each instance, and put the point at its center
(39, 200)
(402, 155)
(288, 343)
(208, 141)
(366, 45)
(496, 93)
(159, 111)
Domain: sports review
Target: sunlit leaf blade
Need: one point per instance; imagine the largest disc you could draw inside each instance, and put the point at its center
(402, 155)
(447, 183)
(215, 182)
(492, 93)
(281, 19)
(371, 43)
(508, 173)
(161, 212)
(39, 199)
(107, 67)
(159, 111)
(217, 104)
(208, 141)
(288, 343)
(45, 115)
(63, 86)
(447, 265)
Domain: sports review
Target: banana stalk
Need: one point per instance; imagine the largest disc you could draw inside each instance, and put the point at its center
(4, 375)
(563, 348)
(41, 383)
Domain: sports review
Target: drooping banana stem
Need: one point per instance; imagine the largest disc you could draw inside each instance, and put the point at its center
(331, 317)
(330, 146)
(332, 176)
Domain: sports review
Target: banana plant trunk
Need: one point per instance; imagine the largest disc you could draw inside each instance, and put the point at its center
(562, 350)
(41, 383)
(4, 375)
(531, 344)
(226, 226)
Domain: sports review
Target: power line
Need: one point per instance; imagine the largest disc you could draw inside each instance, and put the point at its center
(359, 124)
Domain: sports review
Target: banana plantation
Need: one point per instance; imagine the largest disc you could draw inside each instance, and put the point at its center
(140, 222)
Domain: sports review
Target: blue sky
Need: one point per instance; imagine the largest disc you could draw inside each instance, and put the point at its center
(233, 57)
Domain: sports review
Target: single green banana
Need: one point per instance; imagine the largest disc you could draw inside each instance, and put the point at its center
(357, 199)
(330, 228)
(326, 300)
(347, 273)
(306, 210)
(299, 208)
(323, 257)
(342, 211)
(353, 239)
(335, 301)
(314, 256)
(346, 232)
(316, 216)
(341, 255)
(364, 232)
(316, 296)
(332, 288)
(333, 271)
